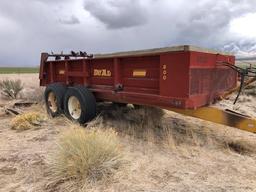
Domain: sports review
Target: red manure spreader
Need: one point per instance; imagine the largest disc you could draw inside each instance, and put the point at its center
(183, 79)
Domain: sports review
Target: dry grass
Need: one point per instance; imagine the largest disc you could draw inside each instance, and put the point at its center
(148, 124)
(251, 90)
(241, 146)
(11, 88)
(143, 122)
(169, 132)
(34, 95)
(152, 125)
(85, 156)
(27, 121)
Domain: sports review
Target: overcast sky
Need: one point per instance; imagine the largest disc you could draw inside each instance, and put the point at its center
(29, 27)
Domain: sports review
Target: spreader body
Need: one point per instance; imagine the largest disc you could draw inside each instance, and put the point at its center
(181, 76)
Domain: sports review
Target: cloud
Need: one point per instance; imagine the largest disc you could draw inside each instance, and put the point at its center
(209, 21)
(155, 22)
(114, 25)
(70, 21)
(117, 14)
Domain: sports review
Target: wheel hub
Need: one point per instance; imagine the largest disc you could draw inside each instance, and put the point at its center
(74, 107)
(52, 102)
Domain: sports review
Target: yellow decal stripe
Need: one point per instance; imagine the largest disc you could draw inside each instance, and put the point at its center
(61, 72)
(139, 73)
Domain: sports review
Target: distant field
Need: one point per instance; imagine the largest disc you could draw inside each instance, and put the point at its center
(9, 70)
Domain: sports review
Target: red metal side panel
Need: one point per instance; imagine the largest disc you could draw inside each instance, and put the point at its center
(52, 72)
(102, 72)
(58, 68)
(174, 74)
(208, 60)
(209, 78)
(70, 72)
(140, 74)
(74, 74)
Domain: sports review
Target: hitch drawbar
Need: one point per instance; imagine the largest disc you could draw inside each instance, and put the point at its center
(224, 117)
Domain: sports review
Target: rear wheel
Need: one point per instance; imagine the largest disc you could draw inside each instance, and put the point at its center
(79, 104)
(74, 107)
(53, 97)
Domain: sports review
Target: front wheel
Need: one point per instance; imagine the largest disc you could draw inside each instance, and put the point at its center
(53, 97)
(79, 104)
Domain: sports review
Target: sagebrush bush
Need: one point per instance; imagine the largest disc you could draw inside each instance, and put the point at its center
(27, 121)
(11, 88)
(85, 156)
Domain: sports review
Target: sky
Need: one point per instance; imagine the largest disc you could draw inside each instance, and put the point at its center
(29, 27)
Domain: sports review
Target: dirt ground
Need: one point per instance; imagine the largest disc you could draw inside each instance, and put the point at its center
(201, 156)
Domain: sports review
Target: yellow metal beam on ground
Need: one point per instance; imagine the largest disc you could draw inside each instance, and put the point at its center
(224, 117)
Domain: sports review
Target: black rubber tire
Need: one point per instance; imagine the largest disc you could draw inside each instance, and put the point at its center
(59, 91)
(87, 103)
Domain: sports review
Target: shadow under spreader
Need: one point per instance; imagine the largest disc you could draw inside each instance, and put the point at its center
(146, 123)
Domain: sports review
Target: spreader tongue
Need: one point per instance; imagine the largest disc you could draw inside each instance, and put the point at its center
(224, 117)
